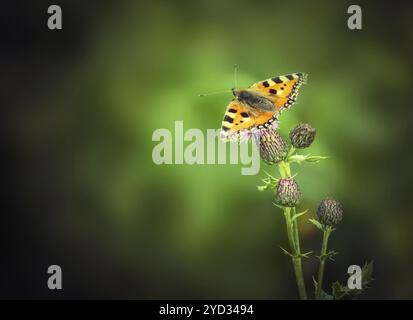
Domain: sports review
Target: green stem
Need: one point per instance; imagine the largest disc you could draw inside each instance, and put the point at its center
(296, 234)
(293, 237)
(323, 258)
(284, 168)
(290, 232)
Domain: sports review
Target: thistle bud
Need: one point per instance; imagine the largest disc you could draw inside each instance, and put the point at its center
(329, 212)
(302, 136)
(273, 148)
(287, 193)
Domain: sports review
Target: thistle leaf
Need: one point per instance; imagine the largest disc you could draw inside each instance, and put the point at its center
(324, 295)
(299, 158)
(317, 224)
(262, 188)
(340, 291)
(286, 252)
(306, 255)
(278, 206)
(270, 183)
(298, 215)
(367, 273)
(270, 176)
(315, 159)
(331, 254)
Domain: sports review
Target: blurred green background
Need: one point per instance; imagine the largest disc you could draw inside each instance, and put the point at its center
(84, 102)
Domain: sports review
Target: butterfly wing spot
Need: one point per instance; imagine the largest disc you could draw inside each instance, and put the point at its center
(277, 80)
(229, 119)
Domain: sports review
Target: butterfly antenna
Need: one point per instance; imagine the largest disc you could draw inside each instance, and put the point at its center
(235, 76)
(212, 93)
(224, 91)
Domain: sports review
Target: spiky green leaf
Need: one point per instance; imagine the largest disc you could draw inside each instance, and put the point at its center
(317, 224)
(297, 215)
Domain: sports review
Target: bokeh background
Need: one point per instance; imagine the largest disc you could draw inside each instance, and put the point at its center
(80, 106)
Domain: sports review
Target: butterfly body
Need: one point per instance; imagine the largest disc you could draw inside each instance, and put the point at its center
(254, 100)
(258, 106)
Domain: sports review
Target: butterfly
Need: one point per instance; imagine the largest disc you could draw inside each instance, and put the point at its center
(258, 106)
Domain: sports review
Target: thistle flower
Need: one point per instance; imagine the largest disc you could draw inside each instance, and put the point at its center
(273, 148)
(287, 192)
(302, 136)
(329, 212)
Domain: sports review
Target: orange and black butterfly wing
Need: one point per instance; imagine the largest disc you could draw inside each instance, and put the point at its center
(240, 117)
(282, 90)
